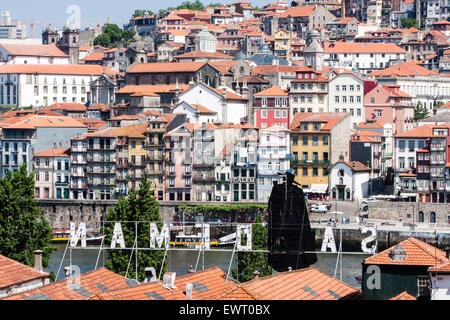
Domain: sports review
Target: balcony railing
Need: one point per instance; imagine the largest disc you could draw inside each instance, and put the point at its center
(203, 178)
(310, 162)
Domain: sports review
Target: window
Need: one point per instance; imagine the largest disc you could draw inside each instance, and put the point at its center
(315, 172)
(264, 114)
(423, 285)
(305, 140)
(315, 141)
(264, 102)
(305, 172)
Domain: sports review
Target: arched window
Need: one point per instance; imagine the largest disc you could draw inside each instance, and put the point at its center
(421, 216)
(432, 217)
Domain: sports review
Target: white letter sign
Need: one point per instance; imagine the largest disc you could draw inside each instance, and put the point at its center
(328, 240)
(118, 236)
(75, 236)
(205, 245)
(164, 235)
(371, 238)
(247, 230)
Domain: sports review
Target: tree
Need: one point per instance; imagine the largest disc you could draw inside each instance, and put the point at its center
(128, 35)
(409, 23)
(438, 104)
(248, 263)
(141, 12)
(420, 112)
(103, 40)
(114, 32)
(139, 206)
(23, 230)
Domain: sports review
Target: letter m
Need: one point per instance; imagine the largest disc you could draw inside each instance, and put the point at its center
(159, 237)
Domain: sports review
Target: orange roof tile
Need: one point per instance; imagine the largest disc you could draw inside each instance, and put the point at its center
(403, 296)
(54, 153)
(303, 284)
(417, 253)
(329, 118)
(405, 69)
(443, 268)
(72, 69)
(93, 124)
(369, 125)
(300, 11)
(67, 107)
(96, 56)
(361, 47)
(273, 91)
(165, 67)
(263, 69)
(37, 121)
(13, 272)
(92, 283)
(33, 50)
(424, 131)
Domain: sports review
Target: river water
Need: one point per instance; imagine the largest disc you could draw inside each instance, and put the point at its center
(179, 262)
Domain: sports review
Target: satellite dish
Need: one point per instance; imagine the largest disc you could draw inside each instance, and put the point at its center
(132, 282)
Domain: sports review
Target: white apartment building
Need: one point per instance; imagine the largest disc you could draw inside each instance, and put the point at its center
(11, 29)
(44, 85)
(273, 150)
(364, 57)
(346, 94)
(11, 53)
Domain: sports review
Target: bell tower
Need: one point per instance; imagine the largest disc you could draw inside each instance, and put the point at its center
(70, 44)
(313, 54)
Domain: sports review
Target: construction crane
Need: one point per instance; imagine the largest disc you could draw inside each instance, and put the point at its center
(32, 23)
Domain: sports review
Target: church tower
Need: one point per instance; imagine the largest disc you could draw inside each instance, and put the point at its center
(313, 54)
(70, 44)
(50, 36)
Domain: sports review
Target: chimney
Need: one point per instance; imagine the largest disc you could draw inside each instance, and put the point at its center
(189, 290)
(38, 261)
(169, 280)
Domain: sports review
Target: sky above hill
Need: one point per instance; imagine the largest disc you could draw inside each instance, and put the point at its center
(46, 11)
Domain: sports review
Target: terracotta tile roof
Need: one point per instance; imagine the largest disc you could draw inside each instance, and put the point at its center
(301, 11)
(263, 69)
(96, 56)
(369, 125)
(54, 153)
(165, 67)
(91, 284)
(71, 69)
(172, 17)
(417, 253)
(13, 272)
(403, 296)
(127, 117)
(15, 113)
(202, 109)
(424, 131)
(239, 294)
(444, 268)
(405, 69)
(93, 124)
(273, 91)
(207, 285)
(37, 121)
(67, 107)
(99, 106)
(329, 118)
(33, 50)
(356, 166)
(251, 79)
(303, 284)
(361, 47)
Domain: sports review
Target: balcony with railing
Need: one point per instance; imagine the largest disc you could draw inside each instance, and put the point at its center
(78, 186)
(437, 147)
(200, 178)
(310, 162)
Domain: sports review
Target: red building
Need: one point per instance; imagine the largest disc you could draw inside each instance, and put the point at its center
(271, 108)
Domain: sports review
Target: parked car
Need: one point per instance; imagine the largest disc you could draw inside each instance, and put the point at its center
(319, 208)
(369, 200)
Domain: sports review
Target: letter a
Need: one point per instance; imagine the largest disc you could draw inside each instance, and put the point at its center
(328, 240)
(118, 236)
(75, 235)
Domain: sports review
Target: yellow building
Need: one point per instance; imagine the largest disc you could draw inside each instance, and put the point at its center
(317, 140)
(137, 154)
(282, 44)
(155, 149)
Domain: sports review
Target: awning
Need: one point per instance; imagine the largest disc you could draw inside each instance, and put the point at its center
(319, 188)
(306, 191)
